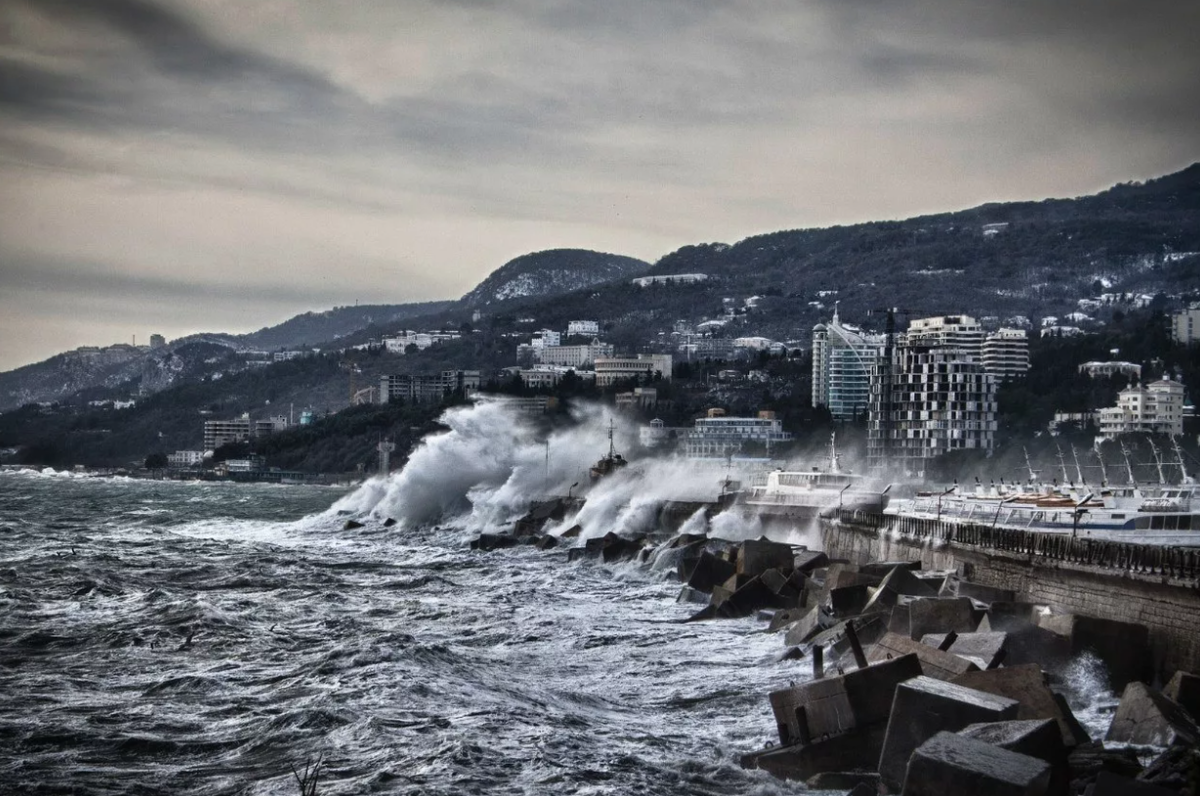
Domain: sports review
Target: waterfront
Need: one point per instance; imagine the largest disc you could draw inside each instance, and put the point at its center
(172, 637)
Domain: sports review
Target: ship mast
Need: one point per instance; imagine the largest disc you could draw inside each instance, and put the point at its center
(1162, 480)
(1033, 474)
(1078, 469)
(1183, 476)
(1103, 470)
(1062, 464)
(1128, 466)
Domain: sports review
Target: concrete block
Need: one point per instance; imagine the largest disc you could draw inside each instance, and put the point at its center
(849, 600)
(984, 594)
(1005, 616)
(981, 649)
(1122, 646)
(1027, 686)
(709, 572)
(934, 662)
(842, 780)
(1147, 718)
(1031, 644)
(882, 568)
(924, 707)
(852, 750)
(898, 582)
(898, 621)
(1041, 739)
(689, 595)
(757, 555)
(807, 560)
(841, 578)
(749, 598)
(1184, 690)
(940, 615)
(804, 628)
(955, 764)
(821, 709)
(785, 617)
(869, 628)
(1110, 784)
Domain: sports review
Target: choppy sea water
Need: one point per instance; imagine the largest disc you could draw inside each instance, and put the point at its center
(204, 638)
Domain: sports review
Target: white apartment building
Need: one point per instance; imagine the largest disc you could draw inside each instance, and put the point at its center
(1114, 368)
(644, 366)
(182, 459)
(1156, 408)
(583, 327)
(223, 432)
(947, 331)
(1006, 353)
(940, 401)
(843, 356)
(397, 344)
(1185, 325)
(719, 437)
(546, 337)
(550, 375)
(572, 356)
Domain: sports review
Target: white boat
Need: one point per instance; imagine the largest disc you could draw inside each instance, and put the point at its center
(805, 494)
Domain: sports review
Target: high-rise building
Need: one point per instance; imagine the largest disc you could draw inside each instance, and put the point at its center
(843, 356)
(1185, 325)
(1006, 353)
(947, 331)
(422, 389)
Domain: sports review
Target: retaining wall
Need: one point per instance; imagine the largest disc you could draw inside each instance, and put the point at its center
(1155, 586)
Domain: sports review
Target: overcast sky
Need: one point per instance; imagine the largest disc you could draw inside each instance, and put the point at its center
(175, 166)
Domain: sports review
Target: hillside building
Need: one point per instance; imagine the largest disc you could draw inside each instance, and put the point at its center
(572, 356)
(157, 341)
(546, 337)
(611, 369)
(669, 279)
(180, 460)
(941, 400)
(1106, 369)
(1156, 408)
(242, 429)
(721, 437)
(1005, 353)
(427, 388)
(947, 331)
(1185, 325)
(591, 328)
(843, 356)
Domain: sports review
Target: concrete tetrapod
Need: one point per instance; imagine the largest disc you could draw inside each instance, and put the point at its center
(955, 764)
(924, 707)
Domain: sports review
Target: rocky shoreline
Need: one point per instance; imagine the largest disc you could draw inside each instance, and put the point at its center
(922, 681)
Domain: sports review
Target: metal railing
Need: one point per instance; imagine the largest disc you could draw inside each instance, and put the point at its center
(1180, 563)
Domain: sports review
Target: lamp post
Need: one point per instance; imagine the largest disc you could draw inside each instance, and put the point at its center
(939, 503)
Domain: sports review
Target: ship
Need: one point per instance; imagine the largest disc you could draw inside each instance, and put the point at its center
(802, 495)
(610, 462)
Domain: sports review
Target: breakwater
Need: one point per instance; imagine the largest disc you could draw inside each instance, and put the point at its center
(1155, 586)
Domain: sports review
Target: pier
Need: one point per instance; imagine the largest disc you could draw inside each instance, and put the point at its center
(1152, 585)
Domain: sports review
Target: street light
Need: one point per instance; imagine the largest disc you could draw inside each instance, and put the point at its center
(939, 503)
(1077, 513)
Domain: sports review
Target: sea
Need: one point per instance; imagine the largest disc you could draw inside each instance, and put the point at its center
(161, 637)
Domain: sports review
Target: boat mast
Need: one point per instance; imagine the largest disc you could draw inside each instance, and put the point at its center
(1078, 469)
(1128, 466)
(1158, 463)
(1062, 464)
(834, 465)
(1033, 476)
(1183, 476)
(1103, 470)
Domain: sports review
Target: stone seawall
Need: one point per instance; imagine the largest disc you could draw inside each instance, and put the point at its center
(1158, 587)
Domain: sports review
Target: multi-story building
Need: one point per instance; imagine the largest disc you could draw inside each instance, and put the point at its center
(947, 331)
(182, 459)
(644, 366)
(843, 356)
(1006, 353)
(718, 436)
(223, 432)
(157, 341)
(399, 343)
(546, 337)
(940, 400)
(583, 327)
(639, 397)
(1156, 408)
(1114, 368)
(427, 388)
(1185, 325)
(572, 356)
